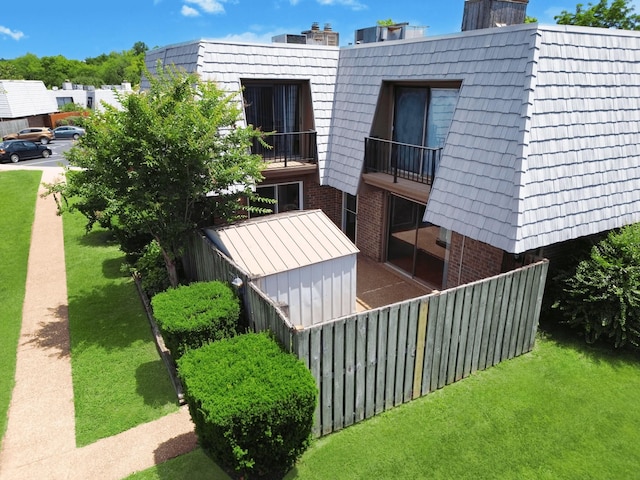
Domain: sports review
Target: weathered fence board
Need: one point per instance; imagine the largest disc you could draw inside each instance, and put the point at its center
(372, 361)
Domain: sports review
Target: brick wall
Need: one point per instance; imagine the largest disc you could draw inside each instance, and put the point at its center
(371, 223)
(479, 260)
(326, 198)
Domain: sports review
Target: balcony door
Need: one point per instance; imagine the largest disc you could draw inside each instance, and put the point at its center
(416, 247)
(421, 117)
(274, 107)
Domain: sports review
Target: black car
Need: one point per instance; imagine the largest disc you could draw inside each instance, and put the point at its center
(16, 150)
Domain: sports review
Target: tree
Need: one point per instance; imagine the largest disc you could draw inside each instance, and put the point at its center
(148, 168)
(618, 15)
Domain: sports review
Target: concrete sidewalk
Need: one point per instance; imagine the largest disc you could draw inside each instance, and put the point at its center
(40, 438)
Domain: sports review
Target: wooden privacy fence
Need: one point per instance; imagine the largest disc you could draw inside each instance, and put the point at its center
(369, 362)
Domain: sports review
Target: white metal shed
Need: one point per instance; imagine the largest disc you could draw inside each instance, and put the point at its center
(300, 259)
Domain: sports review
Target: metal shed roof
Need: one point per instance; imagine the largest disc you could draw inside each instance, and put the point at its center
(281, 242)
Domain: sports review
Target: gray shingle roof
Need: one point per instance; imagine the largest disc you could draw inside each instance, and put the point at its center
(543, 143)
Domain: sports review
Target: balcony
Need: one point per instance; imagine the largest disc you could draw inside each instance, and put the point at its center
(400, 160)
(288, 149)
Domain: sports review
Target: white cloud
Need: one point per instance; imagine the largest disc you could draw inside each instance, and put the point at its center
(15, 34)
(189, 12)
(208, 6)
(354, 5)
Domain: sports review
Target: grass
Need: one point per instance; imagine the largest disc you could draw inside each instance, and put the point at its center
(564, 411)
(17, 206)
(119, 381)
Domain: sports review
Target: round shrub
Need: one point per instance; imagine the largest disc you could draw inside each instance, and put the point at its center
(252, 404)
(191, 315)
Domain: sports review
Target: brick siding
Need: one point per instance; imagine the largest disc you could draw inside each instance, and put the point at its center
(371, 223)
(479, 260)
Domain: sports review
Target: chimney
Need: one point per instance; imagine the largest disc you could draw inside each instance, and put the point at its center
(314, 26)
(327, 27)
(493, 13)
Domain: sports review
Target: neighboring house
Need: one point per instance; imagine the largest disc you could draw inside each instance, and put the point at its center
(87, 96)
(24, 98)
(28, 103)
(457, 157)
(24, 103)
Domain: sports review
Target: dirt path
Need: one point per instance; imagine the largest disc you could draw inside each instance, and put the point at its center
(40, 438)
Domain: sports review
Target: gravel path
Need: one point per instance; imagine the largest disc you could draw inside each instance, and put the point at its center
(40, 439)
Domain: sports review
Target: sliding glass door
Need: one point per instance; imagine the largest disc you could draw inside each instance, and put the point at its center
(416, 247)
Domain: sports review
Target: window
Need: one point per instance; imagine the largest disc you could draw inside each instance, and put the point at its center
(349, 215)
(421, 117)
(283, 109)
(273, 107)
(64, 101)
(288, 196)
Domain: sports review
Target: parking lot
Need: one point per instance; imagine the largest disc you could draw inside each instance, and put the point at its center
(58, 147)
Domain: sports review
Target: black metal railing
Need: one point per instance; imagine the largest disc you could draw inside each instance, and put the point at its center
(412, 162)
(285, 147)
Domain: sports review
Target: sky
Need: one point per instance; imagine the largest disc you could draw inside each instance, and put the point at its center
(80, 30)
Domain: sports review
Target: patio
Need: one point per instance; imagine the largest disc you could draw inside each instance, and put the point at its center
(379, 285)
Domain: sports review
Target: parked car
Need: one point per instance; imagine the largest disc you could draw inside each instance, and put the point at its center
(68, 131)
(36, 134)
(16, 150)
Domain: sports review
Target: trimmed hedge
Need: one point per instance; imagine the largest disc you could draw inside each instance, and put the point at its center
(252, 404)
(191, 315)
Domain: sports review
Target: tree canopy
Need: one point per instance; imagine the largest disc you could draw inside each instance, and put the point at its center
(617, 15)
(106, 69)
(171, 158)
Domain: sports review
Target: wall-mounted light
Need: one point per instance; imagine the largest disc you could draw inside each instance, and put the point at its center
(237, 283)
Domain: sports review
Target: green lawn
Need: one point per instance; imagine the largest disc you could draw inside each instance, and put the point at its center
(17, 206)
(564, 411)
(119, 380)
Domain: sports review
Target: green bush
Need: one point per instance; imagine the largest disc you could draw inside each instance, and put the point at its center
(252, 404)
(191, 315)
(602, 296)
(152, 270)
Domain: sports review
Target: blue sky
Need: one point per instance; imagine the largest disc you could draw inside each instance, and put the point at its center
(79, 30)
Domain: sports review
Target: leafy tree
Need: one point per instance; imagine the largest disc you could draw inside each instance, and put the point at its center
(617, 15)
(602, 295)
(139, 48)
(385, 23)
(8, 71)
(29, 67)
(148, 167)
(105, 69)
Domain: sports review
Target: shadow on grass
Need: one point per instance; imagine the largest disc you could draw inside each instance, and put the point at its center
(148, 376)
(53, 335)
(194, 465)
(111, 317)
(564, 336)
(98, 238)
(112, 268)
